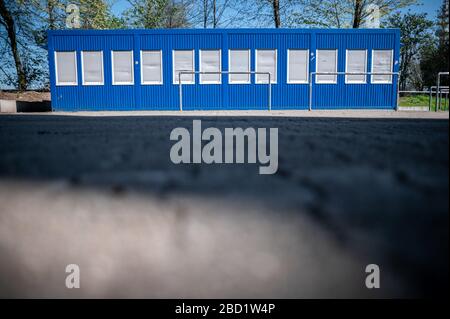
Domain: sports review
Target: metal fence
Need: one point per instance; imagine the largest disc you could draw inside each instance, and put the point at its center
(180, 88)
(441, 94)
(312, 74)
(438, 90)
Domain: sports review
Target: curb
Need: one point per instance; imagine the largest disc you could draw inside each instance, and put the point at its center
(13, 106)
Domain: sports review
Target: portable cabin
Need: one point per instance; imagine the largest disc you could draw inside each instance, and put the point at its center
(223, 69)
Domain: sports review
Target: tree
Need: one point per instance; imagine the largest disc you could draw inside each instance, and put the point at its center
(343, 13)
(151, 14)
(434, 55)
(96, 14)
(415, 32)
(7, 15)
(276, 12)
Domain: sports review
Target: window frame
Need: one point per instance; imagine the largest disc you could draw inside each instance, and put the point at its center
(307, 67)
(201, 81)
(57, 83)
(113, 82)
(175, 78)
(83, 82)
(346, 67)
(317, 67)
(249, 81)
(142, 68)
(276, 67)
(390, 81)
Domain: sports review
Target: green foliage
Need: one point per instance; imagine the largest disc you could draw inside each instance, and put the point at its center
(435, 54)
(96, 14)
(415, 32)
(341, 13)
(151, 14)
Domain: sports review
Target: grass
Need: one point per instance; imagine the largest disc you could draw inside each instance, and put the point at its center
(422, 100)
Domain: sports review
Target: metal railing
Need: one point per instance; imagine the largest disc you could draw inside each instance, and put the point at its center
(411, 92)
(312, 74)
(269, 83)
(439, 98)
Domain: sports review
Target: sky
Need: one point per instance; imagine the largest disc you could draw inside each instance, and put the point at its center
(424, 6)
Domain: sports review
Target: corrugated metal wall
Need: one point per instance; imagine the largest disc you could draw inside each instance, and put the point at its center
(223, 96)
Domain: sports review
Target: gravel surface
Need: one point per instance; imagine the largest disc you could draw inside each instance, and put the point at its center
(99, 190)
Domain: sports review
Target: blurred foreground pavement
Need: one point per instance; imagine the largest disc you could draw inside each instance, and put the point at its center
(101, 192)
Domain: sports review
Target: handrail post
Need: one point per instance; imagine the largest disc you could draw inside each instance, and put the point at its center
(397, 76)
(311, 76)
(430, 98)
(180, 91)
(437, 91)
(270, 93)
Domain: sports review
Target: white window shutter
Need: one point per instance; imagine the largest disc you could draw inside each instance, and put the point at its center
(382, 63)
(356, 63)
(183, 60)
(66, 68)
(326, 62)
(266, 61)
(210, 61)
(298, 66)
(151, 67)
(239, 62)
(123, 67)
(92, 67)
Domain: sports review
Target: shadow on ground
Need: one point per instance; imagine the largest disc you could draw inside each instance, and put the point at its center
(103, 193)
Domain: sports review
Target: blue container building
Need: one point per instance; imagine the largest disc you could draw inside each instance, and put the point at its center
(139, 69)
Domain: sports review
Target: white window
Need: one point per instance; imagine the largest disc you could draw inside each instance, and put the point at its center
(239, 61)
(151, 67)
(66, 68)
(210, 61)
(356, 62)
(326, 62)
(298, 66)
(183, 60)
(122, 67)
(266, 61)
(92, 67)
(382, 63)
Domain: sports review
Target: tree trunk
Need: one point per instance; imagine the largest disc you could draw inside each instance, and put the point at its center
(214, 14)
(10, 28)
(357, 14)
(51, 14)
(205, 13)
(276, 13)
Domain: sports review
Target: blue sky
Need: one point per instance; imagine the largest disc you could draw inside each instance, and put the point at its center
(424, 6)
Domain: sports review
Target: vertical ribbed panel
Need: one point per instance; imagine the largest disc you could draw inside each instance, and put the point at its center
(223, 96)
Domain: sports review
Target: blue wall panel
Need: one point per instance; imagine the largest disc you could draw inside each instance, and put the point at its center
(221, 96)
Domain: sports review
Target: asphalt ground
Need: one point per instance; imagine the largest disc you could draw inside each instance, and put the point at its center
(100, 191)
